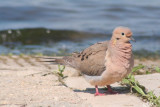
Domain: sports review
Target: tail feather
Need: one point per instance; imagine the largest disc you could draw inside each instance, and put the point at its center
(54, 60)
(67, 60)
(59, 61)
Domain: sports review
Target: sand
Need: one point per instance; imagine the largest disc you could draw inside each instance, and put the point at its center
(27, 82)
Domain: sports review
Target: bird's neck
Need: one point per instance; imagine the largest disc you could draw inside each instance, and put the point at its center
(120, 53)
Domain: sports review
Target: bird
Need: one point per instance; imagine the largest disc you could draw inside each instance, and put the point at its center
(106, 62)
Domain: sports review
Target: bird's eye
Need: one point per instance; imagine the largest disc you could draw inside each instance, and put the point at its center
(122, 34)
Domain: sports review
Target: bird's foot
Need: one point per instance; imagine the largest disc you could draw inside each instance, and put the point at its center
(111, 91)
(99, 94)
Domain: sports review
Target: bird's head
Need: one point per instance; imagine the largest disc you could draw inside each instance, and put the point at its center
(121, 35)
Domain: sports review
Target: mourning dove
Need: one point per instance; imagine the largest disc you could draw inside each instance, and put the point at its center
(104, 63)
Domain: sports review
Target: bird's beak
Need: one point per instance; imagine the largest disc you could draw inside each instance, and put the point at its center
(132, 39)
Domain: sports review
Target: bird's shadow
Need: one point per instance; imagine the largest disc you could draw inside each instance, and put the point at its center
(120, 90)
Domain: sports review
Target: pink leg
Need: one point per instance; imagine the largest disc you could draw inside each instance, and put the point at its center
(97, 92)
(110, 90)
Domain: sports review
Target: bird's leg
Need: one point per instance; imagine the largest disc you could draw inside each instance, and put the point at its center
(110, 90)
(97, 92)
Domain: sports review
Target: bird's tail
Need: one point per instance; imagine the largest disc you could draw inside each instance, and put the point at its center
(53, 60)
(67, 60)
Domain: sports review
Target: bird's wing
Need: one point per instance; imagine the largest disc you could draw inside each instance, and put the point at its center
(90, 61)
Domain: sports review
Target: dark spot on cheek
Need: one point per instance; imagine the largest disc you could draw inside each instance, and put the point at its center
(117, 38)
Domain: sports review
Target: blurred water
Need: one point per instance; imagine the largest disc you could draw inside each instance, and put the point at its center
(96, 16)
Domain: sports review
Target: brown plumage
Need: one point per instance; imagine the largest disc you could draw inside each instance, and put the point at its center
(104, 63)
(90, 61)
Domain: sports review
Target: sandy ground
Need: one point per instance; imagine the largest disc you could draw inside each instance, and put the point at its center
(25, 82)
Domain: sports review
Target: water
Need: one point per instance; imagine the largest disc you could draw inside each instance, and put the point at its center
(91, 16)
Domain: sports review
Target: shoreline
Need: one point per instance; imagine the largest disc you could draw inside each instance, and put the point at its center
(138, 54)
(62, 42)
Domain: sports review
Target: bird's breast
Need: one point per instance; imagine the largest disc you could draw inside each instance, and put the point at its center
(116, 71)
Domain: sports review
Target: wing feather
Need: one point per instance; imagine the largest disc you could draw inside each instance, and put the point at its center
(91, 60)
